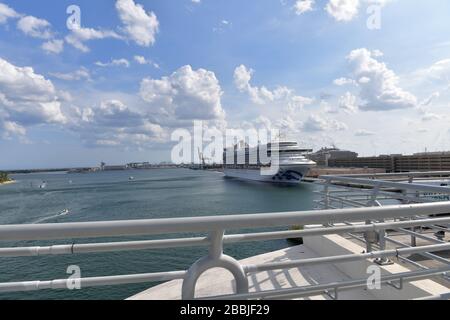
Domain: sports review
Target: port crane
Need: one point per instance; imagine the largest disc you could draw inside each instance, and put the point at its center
(202, 158)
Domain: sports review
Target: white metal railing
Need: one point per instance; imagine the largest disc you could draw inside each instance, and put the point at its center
(377, 221)
(368, 190)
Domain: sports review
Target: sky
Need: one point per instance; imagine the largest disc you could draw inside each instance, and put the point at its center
(371, 76)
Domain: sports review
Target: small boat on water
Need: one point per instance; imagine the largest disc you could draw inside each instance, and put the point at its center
(43, 185)
(65, 212)
(131, 178)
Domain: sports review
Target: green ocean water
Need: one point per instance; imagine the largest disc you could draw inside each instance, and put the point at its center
(111, 196)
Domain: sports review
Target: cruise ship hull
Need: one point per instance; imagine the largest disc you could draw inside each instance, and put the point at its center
(292, 174)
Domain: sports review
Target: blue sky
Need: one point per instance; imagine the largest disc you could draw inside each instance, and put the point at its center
(138, 69)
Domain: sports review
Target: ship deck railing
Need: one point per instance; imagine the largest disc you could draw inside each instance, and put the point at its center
(353, 206)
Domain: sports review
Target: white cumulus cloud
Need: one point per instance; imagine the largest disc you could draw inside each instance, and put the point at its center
(6, 13)
(142, 60)
(27, 98)
(35, 27)
(343, 81)
(114, 124)
(343, 10)
(55, 46)
(8, 129)
(380, 90)
(437, 72)
(114, 63)
(139, 25)
(80, 74)
(78, 37)
(316, 123)
(302, 6)
(186, 94)
(262, 95)
(348, 103)
(347, 10)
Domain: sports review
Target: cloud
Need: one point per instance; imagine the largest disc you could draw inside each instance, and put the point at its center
(435, 79)
(347, 102)
(7, 13)
(336, 125)
(364, 133)
(315, 123)
(428, 101)
(78, 37)
(222, 26)
(53, 46)
(343, 10)
(344, 81)
(142, 60)
(80, 74)
(186, 94)
(139, 25)
(379, 89)
(303, 6)
(263, 122)
(8, 129)
(242, 77)
(113, 124)
(285, 104)
(437, 72)
(428, 116)
(27, 98)
(347, 10)
(113, 113)
(114, 63)
(262, 95)
(35, 27)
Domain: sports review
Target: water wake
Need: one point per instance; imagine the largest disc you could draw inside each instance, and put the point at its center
(44, 219)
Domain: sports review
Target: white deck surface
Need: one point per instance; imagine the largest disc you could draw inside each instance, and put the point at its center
(218, 281)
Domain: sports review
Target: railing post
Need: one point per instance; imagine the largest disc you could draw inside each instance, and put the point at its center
(382, 244)
(371, 237)
(326, 192)
(214, 259)
(374, 196)
(216, 247)
(413, 238)
(404, 194)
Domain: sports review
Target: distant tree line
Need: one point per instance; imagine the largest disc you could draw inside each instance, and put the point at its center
(3, 177)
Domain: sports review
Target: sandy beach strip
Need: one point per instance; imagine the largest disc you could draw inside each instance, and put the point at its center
(7, 182)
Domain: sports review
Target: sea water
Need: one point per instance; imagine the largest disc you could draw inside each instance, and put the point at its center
(111, 195)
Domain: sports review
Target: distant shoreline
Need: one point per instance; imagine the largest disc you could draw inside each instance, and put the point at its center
(82, 170)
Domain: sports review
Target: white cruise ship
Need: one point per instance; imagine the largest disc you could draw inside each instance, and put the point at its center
(290, 166)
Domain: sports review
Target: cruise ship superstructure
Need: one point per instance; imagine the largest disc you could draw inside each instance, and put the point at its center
(285, 162)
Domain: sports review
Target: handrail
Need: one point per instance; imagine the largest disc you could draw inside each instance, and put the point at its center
(384, 183)
(77, 248)
(399, 174)
(212, 223)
